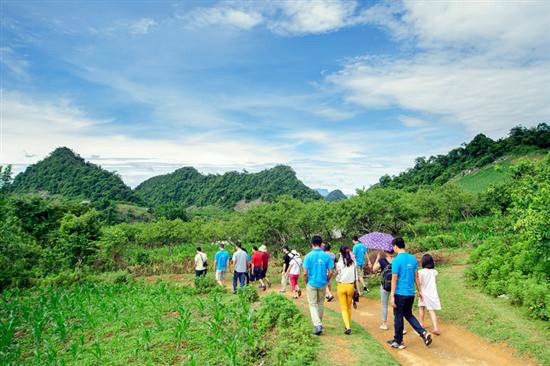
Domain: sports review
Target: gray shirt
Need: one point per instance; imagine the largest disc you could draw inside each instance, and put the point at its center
(240, 260)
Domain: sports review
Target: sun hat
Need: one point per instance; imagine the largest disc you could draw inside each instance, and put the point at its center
(295, 253)
(263, 248)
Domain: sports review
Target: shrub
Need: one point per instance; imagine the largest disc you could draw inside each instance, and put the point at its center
(248, 294)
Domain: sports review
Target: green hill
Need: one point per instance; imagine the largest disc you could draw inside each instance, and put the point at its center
(336, 195)
(473, 164)
(188, 187)
(65, 173)
(499, 172)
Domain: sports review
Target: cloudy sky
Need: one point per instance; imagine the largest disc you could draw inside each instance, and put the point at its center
(342, 91)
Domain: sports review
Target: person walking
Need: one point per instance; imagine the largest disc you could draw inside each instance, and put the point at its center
(248, 267)
(430, 297)
(404, 278)
(346, 284)
(265, 264)
(240, 264)
(221, 262)
(200, 263)
(383, 264)
(257, 262)
(293, 273)
(286, 263)
(318, 268)
(326, 249)
(360, 251)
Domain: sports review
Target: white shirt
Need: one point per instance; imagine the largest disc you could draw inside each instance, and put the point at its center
(295, 265)
(200, 259)
(240, 259)
(345, 274)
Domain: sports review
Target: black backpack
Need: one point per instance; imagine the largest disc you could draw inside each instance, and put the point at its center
(386, 277)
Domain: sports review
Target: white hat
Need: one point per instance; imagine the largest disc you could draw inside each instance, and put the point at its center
(294, 253)
(263, 248)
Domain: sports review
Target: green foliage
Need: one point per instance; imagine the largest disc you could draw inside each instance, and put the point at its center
(134, 323)
(248, 294)
(5, 177)
(518, 262)
(188, 187)
(479, 152)
(336, 195)
(65, 173)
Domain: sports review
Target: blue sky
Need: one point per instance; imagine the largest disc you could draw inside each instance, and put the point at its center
(342, 91)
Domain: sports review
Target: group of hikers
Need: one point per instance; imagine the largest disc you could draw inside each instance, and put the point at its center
(399, 277)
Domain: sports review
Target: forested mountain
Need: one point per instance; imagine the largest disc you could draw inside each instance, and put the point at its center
(66, 173)
(482, 150)
(188, 187)
(336, 195)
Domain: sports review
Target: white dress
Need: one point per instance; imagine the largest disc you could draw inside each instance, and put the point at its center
(430, 297)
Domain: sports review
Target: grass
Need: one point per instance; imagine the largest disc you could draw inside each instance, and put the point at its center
(496, 173)
(491, 318)
(136, 323)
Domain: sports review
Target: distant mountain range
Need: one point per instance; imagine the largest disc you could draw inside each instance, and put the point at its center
(323, 192)
(336, 195)
(65, 173)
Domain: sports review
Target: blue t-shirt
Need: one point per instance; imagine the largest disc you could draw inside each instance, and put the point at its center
(317, 264)
(404, 266)
(221, 258)
(359, 251)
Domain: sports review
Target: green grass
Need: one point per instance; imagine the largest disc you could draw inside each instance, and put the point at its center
(491, 318)
(496, 173)
(479, 181)
(135, 323)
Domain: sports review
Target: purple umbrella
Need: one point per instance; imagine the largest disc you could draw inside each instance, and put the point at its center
(377, 241)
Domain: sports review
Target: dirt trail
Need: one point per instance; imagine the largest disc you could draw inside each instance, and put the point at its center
(456, 346)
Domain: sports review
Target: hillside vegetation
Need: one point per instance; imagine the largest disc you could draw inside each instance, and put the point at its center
(481, 151)
(188, 187)
(336, 195)
(65, 173)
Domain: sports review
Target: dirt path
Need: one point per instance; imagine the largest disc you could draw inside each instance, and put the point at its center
(456, 346)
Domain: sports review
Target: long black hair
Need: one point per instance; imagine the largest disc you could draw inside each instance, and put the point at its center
(345, 252)
(428, 261)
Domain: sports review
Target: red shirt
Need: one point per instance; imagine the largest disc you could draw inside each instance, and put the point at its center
(265, 259)
(257, 259)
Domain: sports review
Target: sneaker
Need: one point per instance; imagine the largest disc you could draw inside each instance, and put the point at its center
(282, 291)
(347, 331)
(427, 337)
(384, 326)
(355, 305)
(394, 344)
(268, 284)
(318, 330)
(365, 290)
(330, 298)
(300, 292)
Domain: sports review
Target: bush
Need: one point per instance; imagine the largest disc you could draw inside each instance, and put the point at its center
(204, 284)
(248, 294)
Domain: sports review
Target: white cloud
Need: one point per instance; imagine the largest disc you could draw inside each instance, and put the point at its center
(471, 92)
(141, 26)
(485, 65)
(281, 17)
(40, 127)
(518, 27)
(313, 16)
(412, 122)
(224, 15)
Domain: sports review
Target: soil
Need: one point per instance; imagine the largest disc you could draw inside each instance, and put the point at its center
(455, 346)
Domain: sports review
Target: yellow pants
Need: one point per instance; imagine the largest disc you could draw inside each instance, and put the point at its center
(345, 298)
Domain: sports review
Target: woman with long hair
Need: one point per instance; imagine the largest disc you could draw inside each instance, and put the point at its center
(346, 280)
